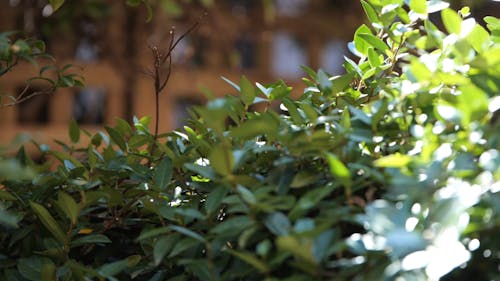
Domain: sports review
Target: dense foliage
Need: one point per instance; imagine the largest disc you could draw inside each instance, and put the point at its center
(388, 171)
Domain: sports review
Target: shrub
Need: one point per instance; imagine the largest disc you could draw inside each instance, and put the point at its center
(387, 172)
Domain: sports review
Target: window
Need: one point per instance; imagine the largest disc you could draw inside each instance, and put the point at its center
(287, 55)
(245, 52)
(35, 110)
(89, 106)
(181, 110)
(290, 8)
(332, 56)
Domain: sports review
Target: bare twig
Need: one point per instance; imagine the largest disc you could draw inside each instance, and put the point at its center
(160, 81)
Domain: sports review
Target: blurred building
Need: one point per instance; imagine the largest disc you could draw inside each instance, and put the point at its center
(109, 41)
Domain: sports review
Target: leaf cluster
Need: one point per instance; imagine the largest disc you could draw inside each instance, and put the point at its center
(387, 172)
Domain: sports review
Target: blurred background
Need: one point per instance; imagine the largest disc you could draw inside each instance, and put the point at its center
(108, 40)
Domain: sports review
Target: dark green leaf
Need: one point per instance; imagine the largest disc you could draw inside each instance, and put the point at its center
(214, 199)
(90, 239)
(163, 174)
(188, 232)
(117, 138)
(251, 259)
(163, 246)
(247, 91)
(112, 269)
(277, 223)
(74, 131)
(183, 245)
(56, 4)
(49, 222)
(68, 205)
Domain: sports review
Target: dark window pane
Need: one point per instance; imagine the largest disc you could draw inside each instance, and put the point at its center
(245, 49)
(288, 54)
(89, 105)
(34, 110)
(181, 110)
(332, 56)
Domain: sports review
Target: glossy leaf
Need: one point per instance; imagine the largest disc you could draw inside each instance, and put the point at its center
(163, 174)
(68, 206)
(56, 4)
(112, 269)
(49, 222)
(277, 223)
(187, 232)
(90, 239)
(338, 170)
(74, 131)
(451, 21)
(250, 259)
(247, 91)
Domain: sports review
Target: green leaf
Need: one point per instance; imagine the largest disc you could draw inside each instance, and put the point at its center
(298, 249)
(261, 125)
(247, 91)
(340, 83)
(123, 127)
(277, 223)
(31, 268)
(373, 58)
(9, 219)
(112, 269)
(150, 233)
(246, 195)
(339, 171)
(221, 159)
(116, 137)
(48, 272)
(419, 6)
(48, 221)
(293, 111)
(396, 160)
(172, 8)
(188, 232)
(359, 43)
(370, 12)
(74, 131)
(214, 199)
(373, 41)
(251, 259)
(234, 85)
(232, 226)
(163, 246)
(68, 206)
(279, 91)
(479, 38)
(133, 3)
(325, 84)
(452, 21)
(163, 174)
(90, 239)
(149, 11)
(183, 245)
(56, 4)
(4, 195)
(436, 5)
